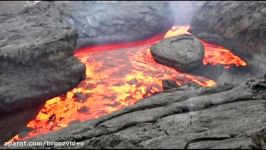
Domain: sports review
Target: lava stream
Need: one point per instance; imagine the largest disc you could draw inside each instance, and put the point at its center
(118, 75)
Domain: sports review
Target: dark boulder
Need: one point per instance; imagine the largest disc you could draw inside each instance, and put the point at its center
(36, 59)
(183, 52)
(169, 84)
(259, 138)
(115, 22)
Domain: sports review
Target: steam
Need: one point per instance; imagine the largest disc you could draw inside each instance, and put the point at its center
(184, 10)
(31, 3)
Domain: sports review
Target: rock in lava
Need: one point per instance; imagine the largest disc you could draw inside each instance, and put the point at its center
(183, 52)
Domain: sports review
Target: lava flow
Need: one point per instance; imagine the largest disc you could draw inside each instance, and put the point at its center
(118, 75)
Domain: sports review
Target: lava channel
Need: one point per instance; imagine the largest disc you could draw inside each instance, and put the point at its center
(118, 75)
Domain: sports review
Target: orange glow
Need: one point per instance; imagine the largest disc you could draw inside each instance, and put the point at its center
(118, 75)
(214, 54)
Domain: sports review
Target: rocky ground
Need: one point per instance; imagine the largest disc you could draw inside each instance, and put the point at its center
(115, 22)
(12, 7)
(36, 63)
(225, 116)
(102, 22)
(185, 117)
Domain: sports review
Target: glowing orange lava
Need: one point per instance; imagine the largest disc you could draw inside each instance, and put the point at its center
(214, 54)
(118, 75)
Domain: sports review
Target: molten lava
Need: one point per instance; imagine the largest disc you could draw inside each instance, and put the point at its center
(118, 75)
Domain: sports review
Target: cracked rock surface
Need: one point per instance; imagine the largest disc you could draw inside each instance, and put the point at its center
(36, 63)
(218, 117)
(115, 22)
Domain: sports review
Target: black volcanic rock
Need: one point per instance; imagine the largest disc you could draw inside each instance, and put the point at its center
(122, 21)
(183, 52)
(259, 138)
(169, 84)
(36, 60)
(237, 25)
(223, 117)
